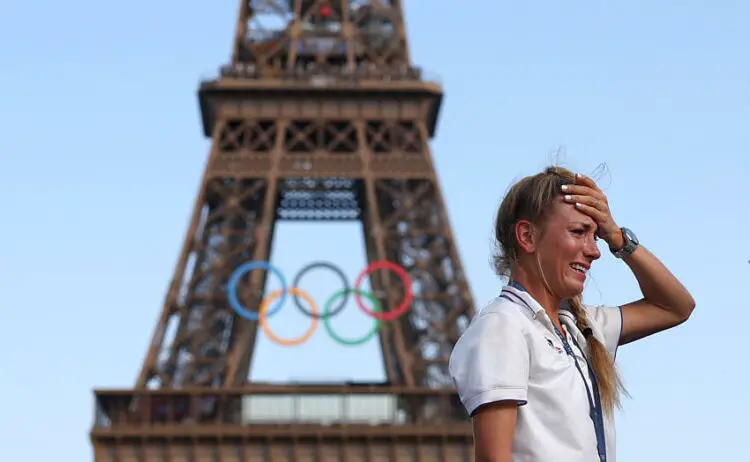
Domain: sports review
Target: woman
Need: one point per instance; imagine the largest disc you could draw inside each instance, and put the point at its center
(535, 368)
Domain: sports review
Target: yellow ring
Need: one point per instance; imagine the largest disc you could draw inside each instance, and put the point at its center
(294, 341)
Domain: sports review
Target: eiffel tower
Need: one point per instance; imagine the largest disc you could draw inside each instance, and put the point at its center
(319, 116)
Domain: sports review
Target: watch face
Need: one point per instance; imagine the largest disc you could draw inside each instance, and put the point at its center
(630, 235)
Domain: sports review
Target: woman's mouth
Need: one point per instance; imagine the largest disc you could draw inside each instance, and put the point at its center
(579, 269)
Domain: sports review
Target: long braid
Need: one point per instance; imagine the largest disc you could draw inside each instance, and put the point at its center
(602, 363)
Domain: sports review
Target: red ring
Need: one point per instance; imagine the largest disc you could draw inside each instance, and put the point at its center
(405, 304)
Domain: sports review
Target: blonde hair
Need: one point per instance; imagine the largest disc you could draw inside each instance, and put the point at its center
(532, 199)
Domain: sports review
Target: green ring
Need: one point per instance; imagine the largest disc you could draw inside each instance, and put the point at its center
(326, 319)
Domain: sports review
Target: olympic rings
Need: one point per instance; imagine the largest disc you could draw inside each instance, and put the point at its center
(234, 301)
(344, 292)
(327, 324)
(408, 295)
(264, 313)
(262, 318)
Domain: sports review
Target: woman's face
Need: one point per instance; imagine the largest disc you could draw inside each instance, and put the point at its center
(567, 249)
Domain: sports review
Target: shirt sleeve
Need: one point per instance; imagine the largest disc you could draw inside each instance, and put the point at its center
(490, 361)
(608, 321)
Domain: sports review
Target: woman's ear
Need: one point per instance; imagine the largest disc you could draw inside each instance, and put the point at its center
(526, 235)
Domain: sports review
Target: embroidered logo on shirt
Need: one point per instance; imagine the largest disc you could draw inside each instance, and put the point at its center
(552, 345)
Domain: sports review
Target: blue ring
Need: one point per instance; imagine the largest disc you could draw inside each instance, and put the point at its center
(234, 279)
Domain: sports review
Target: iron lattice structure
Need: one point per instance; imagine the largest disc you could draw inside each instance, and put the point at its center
(319, 116)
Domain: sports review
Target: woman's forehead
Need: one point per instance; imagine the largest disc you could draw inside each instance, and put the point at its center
(566, 213)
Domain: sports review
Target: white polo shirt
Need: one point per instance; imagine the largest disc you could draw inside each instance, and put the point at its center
(510, 351)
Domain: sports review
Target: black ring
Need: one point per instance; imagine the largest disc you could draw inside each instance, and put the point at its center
(335, 269)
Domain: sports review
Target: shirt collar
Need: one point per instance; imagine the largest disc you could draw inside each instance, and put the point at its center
(523, 298)
(517, 293)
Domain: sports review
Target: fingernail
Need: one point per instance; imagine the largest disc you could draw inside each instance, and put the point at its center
(564, 187)
(578, 205)
(578, 175)
(567, 198)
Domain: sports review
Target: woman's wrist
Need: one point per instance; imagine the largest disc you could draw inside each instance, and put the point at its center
(616, 241)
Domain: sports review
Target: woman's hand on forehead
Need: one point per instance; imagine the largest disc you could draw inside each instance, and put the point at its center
(589, 199)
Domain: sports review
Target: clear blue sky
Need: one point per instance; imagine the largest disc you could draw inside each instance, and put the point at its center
(101, 154)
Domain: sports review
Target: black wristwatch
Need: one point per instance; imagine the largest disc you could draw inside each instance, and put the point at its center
(631, 243)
